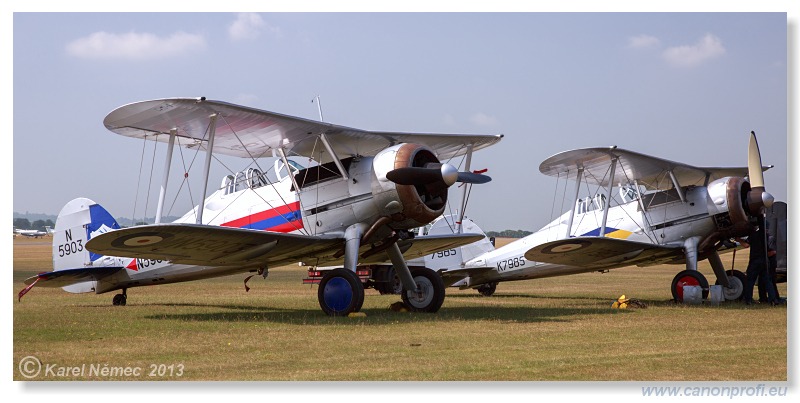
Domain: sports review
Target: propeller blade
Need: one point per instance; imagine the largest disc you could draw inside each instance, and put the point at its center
(414, 176)
(754, 163)
(758, 198)
(473, 178)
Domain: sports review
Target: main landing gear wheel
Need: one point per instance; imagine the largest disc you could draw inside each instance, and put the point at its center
(488, 289)
(688, 277)
(340, 292)
(120, 299)
(431, 291)
(737, 280)
(393, 286)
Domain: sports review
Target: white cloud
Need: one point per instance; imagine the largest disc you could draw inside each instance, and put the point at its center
(449, 120)
(482, 119)
(134, 46)
(707, 48)
(250, 26)
(643, 42)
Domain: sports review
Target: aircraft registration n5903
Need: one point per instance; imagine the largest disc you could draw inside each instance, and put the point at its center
(356, 204)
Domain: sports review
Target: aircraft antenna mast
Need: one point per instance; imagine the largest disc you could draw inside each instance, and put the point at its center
(319, 108)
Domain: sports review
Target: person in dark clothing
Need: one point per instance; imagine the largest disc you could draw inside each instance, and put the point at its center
(772, 256)
(757, 266)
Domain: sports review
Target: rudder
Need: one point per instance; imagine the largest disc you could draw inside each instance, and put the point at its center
(79, 220)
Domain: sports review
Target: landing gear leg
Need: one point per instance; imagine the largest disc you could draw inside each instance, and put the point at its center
(340, 290)
(120, 299)
(423, 288)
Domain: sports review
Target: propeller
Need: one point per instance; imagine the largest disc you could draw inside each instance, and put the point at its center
(432, 173)
(758, 199)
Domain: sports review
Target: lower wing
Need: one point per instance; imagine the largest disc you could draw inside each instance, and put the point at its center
(602, 253)
(210, 245)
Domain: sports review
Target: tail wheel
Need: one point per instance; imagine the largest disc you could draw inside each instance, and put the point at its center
(488, 289)
(119, 300)
(688, 277)
(431, 291)
(737, 280)
(340, 292)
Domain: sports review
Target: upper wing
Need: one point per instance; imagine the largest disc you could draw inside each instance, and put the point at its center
(249, 132)
(213, 245)
(647, 170)
(602, 253)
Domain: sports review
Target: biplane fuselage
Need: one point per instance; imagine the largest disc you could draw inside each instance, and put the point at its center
(667, 223)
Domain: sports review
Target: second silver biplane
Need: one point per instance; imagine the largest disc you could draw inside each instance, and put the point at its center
(662, 212)
(356, 205)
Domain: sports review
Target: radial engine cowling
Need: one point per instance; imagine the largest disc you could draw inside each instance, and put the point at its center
(408, 206)
(729, 206)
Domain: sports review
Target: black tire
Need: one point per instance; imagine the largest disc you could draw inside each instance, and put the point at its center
(119, 300)
(431, 295)
(488, 289)
(737, 280)
(340, 292)
(395, 285)
(688, 277)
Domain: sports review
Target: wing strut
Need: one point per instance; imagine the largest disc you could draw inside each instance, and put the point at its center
(677, 186)
(575, 200)
(335, 157)
(608, 196)
(212, 129)
(167, 163)
(467, 163)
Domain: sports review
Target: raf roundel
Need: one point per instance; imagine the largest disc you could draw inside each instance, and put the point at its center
(143, 240)
(566, 247)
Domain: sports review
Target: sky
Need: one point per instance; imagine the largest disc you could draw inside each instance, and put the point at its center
(687, 87)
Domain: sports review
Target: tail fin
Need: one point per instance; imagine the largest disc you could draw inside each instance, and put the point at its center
(79, 220)
(455, 258)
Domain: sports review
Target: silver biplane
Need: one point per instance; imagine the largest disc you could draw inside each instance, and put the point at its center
(355, 206)
(663, 212)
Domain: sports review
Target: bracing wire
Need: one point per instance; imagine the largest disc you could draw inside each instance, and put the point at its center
(139, 180)
(150, 181)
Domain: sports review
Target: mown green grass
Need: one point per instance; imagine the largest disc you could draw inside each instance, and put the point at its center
(552, 329)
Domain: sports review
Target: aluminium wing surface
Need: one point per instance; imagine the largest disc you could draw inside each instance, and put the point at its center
(224, 246)
(603, 253)
(248, 132)
(647, 170)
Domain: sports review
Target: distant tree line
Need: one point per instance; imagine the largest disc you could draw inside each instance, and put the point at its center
(38, 225)
(509, 233)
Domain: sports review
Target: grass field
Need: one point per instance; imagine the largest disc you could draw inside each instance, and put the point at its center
(552, 329)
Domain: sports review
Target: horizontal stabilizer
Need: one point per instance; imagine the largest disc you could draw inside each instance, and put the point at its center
(601, 253)
(63, 278)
